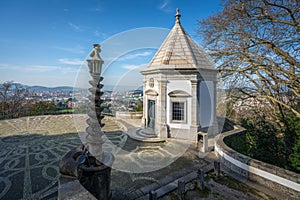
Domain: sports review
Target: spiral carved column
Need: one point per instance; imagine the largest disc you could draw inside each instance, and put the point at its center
(96, 177)
(94, 137)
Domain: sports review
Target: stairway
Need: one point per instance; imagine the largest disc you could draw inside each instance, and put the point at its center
(144, 135)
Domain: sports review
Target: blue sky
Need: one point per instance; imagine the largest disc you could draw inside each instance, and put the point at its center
(45, 42)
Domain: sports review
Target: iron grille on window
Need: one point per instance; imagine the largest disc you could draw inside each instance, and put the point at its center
(178, 111)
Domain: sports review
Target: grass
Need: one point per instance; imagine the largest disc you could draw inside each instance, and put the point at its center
(223, 180)
(66, 111)
(231, 182)
(203, 193)
(208, 176)
(174, 196)
(236, 185)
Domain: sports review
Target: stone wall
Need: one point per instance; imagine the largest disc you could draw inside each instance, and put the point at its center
(129, 115)
(271, 176)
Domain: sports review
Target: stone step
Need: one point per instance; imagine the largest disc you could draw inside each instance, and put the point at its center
(136, 134)
(142, 134)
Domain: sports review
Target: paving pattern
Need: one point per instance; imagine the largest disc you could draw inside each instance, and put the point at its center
(31, 148)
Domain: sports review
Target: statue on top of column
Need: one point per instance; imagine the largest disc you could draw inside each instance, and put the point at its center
(95, 54)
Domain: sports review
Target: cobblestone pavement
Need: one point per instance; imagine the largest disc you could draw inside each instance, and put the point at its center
(31, 148)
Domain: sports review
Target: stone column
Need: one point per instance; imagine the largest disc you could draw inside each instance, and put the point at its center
(214, 129)
(94, 138)
(161, 126)
(205, 143)
(100, 183)
(152, 195)
(215, 101)
(194, 110)
(145, 109)
(217, 168)
(200, 179)
(198, 106)
(181, 189)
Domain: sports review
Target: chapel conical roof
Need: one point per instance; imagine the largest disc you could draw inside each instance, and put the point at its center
(180, 50)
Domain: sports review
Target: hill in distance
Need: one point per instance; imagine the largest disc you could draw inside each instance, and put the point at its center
(68, 88)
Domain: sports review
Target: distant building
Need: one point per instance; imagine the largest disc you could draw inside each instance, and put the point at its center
(179, 88)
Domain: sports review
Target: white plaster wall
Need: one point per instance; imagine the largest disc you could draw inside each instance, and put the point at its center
(206, 99)
(184, 85)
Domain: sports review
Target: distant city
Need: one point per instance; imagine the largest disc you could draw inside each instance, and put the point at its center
(22, 100)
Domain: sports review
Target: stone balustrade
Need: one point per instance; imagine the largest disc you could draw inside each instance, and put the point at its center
(129, 115)
(273, 177)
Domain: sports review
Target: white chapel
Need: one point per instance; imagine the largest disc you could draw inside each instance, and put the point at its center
(179, 89)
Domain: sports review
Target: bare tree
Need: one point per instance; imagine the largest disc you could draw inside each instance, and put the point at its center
(12, 98)
(256, 45)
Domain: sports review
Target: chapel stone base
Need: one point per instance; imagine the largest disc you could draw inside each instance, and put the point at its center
(181, 133)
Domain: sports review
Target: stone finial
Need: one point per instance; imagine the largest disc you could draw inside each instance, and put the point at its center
(95, 54)
(178, 15)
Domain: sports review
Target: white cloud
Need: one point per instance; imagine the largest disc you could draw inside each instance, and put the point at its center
(99, 34)
(70, 61)
(165, 3)
(96, 9)
(131, 78)
(46, 75)
(41, 68)
(36, 68)
(136, 55)
(74, 27)
(165, 6)
(134, 67)
(77, 49)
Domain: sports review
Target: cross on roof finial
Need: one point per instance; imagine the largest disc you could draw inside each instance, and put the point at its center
(177, 16)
